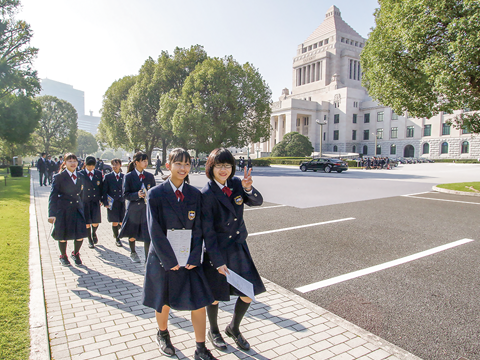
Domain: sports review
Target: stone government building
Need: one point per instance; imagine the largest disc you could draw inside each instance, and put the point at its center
(327, 86)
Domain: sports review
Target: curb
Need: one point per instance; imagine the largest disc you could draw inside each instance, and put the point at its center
(455, 192)
(39, 343)
(393, 349)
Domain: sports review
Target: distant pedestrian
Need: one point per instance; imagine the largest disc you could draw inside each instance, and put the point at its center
(197, 165)
(42, 169)
(158, 166)
(112, 187)
(249, 163)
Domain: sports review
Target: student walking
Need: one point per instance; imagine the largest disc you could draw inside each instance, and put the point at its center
(42, 169)
(158, 166)
(173, 206)
(225, 235)
(65, 209)
(112, 187)
(136, 183)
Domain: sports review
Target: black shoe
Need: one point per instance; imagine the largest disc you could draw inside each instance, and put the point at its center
(241, 342)
(90, 244)
(204, 355)
(95, 239)
(217, 340)
(64, 260)
(118, 243)
(164, 344)
(76, 258)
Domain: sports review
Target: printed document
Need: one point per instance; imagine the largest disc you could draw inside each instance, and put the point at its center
(180, 240)
(239, 283)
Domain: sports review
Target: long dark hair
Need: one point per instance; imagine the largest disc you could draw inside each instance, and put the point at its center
(139, 156)
(180, 154)
(219, 156)
(67, 156)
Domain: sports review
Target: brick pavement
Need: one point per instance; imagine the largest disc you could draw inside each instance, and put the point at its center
(94, 311)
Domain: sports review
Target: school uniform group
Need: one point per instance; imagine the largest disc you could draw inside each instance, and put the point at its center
(140, 210)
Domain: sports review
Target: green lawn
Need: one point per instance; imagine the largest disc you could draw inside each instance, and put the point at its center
(461, 186)
(14, 272)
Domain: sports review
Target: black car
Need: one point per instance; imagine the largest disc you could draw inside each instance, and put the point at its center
(327, 165)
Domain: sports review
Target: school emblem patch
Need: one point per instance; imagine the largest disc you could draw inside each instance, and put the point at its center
(98, 183)
(191, 215)
(239, 200)
(81, 188)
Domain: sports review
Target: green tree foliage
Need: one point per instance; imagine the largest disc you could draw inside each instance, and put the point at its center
(19, 117)
(57, 130)
(86, 143)
(293, 144)
(222, 103)
(423, 57)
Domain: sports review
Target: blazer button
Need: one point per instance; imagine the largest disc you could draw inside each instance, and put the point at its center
(71, 202)
(238, 232)
(255, 195)
(77, 201)
(234, 219)
(228, 224)
(230, 237)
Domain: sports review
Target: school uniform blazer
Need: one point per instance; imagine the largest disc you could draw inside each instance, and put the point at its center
(93, 188)
(65, 194)
(165, 212)
(222, 217)
(42, 165)
(112, 187)
(132, 185)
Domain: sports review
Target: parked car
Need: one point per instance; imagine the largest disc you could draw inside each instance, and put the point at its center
(327, 165)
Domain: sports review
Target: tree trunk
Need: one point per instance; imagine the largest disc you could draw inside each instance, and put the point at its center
(164, 151)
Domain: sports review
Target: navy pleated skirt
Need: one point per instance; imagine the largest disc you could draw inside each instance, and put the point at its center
(93, 214)
(117, 212)
(69, 225)
(135, 223)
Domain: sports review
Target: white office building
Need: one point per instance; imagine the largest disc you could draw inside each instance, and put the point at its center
(326, 86)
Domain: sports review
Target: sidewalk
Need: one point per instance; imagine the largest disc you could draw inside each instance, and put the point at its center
(94, 311)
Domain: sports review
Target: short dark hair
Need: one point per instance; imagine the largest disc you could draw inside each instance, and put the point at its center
(90, 160)
(219, 156)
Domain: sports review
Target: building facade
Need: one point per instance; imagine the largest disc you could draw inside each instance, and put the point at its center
(75, 97)
(326, 86)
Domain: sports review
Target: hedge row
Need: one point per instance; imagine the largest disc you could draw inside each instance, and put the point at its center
(461, 161)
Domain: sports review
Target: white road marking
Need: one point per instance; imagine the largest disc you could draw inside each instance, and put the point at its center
(425, 192)
(370, 270)
(299, 227)
(456, 201)
(264, 207)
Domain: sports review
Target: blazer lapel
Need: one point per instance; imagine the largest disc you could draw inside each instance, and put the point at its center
(224, 200)
(172, 199)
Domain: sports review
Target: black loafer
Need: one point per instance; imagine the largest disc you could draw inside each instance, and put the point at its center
(241, 342)
(76, 258)
(217, 340)
(90, 244)
(118, 243)
(64, 260)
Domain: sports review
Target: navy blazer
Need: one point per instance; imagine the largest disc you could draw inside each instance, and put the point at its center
(132, 185)
(93, 188)
(222, 217)
(65, 195)
(165, 212)
(112, 187)
(42, 164)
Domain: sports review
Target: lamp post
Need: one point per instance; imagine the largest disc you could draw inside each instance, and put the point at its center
(257, 150)
(321, 123)
(375, 152)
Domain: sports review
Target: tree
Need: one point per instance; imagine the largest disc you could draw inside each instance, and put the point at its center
(423, 57)
(293, 144)
(222, 103)
(86, 143)
(19, 117)
(57, 130)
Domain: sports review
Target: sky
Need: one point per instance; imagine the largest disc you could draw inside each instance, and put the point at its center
(91, 43)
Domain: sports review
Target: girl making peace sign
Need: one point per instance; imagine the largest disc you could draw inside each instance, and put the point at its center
(225, 237)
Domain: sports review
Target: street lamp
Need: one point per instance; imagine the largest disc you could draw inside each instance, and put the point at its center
(257, 150)
(376, 137)
(321, 123)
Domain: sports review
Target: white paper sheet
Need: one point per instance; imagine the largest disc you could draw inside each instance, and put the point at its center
(239, 283)
(180, 240)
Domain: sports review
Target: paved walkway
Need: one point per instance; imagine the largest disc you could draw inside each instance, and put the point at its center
(94, 311)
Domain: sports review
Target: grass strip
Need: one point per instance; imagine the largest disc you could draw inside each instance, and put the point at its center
(14, 271)
(466, 186)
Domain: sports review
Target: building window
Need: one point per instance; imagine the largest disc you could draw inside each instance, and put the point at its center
(379, 149)
(365, 150)
(465, 130)
(380, 116)
(410, 131)
(335, 148)
(325, 41)
(336, 118)
(335, 134)
(379, 133)
(304, 50)
(354, 118)
(310, 48)
(366, 119)
(320, 43)
(465, 147)
(394, 116)
(354, 135)
(394, 132)
(393, 149)
(427, 130)
(315, 45)
(445, 129)
(354, 149)
(343, 40)
(366, 134)
(426, 148)
(445, 148)
(298, 122)
(305, 121)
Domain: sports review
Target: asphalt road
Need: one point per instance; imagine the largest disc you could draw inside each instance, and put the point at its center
(429, 306)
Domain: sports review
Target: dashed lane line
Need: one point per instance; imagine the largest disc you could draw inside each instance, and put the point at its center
(299, 227)
(265, 207)
(370, 270)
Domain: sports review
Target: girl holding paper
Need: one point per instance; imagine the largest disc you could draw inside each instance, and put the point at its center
(174, 209)
(112, 189)
(225, 237)
(136, 183)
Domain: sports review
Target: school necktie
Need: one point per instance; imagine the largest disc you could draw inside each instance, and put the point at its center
(226, 190)
(141, 176)
(118, 177)
(74, 177)
(91, 175)
(179, 195)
